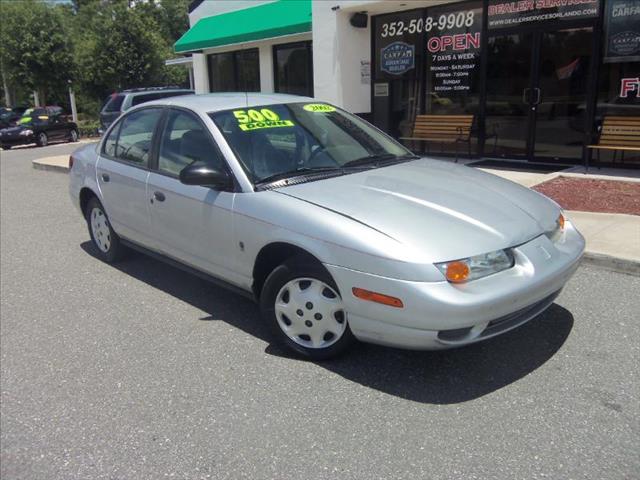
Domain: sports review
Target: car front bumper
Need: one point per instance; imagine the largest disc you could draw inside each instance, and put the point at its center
(15, 140)
(439, 315)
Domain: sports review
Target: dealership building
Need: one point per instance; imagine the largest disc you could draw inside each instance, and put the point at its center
(538, 76)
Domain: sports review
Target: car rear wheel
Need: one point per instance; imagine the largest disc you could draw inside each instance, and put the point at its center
(304, 309)
(73, 136)
(42, 140)
(6, 147)
(105, 240)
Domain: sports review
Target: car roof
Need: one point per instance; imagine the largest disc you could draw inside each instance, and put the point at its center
(215, 102)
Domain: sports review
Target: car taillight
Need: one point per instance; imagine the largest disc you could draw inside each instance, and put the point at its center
(71, 160)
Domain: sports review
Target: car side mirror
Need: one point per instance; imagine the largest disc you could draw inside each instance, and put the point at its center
(205, 176)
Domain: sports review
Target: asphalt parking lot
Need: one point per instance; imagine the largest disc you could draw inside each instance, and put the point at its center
(141, 371)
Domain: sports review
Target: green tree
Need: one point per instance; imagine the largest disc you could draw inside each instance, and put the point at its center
(120, 45)
(35, 49)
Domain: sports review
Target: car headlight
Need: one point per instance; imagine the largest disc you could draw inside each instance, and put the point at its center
(478, 266)
(556, 234)
(26, 132)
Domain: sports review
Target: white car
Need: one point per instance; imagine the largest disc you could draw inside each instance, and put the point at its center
(339, 232)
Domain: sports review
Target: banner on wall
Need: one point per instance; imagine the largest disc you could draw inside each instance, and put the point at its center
(622, 27)
(504, 14)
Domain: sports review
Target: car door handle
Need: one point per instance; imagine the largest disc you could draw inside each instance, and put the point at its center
(159, 196)
(105, 177)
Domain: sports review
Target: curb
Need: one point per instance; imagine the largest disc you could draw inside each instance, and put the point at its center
(620, 265)
(49, 167)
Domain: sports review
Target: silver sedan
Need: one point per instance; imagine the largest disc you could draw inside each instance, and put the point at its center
(335, 229)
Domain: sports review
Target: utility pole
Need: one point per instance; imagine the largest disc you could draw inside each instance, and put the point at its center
(72, 101)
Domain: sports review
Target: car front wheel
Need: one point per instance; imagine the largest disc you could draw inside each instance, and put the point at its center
(42, 140)
(304, 309)
(105, 240)
(73, 136)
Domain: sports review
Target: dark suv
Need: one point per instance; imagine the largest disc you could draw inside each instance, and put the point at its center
(120, 102)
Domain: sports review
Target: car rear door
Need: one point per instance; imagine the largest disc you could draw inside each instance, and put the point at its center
(122, 171)
(191, 223)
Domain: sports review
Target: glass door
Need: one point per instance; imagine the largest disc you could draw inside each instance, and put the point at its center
(560, 95)
(537, 94)
(509, 84)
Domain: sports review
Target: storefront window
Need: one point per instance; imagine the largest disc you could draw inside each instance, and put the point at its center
(234, 71)
(399, 70)
(293, 68)
(453, 59)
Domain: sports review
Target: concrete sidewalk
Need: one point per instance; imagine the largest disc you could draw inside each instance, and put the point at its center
(613, 240)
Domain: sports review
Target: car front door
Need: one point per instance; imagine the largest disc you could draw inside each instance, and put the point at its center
(122, 171)
(55, 128)
(191, 223)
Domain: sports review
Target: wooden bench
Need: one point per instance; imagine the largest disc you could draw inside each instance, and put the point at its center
(618, 134)
(442, 129)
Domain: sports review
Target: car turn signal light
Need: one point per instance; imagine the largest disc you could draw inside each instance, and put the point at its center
(376, 297)
(560, 222)
(457, 272)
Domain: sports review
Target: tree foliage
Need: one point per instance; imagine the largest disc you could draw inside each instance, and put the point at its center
(35, 49)
(100, 45)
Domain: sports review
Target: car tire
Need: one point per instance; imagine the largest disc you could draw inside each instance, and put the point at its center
(105, 241)
(304, 310)
(42, 140)
(6, 147)
(73, 136)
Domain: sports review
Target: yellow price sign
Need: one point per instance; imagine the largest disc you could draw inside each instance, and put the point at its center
(319, 108)
(255, 119)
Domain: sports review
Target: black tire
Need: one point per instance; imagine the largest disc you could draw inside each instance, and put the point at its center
(116, 251)
(42, 140)
(6, 147)
(300, 267)
(74, 136)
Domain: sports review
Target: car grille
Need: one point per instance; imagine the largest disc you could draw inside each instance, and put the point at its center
(499, 324)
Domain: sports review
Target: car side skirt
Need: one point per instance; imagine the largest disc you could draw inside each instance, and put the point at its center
(189, 269)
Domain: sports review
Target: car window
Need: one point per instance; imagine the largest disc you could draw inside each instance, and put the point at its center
(136, 132)
(145, 97)
(113, 103)
(185, 141)
(111, 141)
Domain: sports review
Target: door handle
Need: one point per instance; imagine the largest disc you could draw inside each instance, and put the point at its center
(159, 196)
(105, 177)
(538, 96)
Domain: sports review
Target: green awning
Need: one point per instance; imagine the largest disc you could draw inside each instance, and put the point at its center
(284, 17)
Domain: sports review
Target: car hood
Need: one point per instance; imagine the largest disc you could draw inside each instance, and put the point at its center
(443, 210)
(13, 130)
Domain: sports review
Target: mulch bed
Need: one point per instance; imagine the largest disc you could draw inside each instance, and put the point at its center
(588, 195)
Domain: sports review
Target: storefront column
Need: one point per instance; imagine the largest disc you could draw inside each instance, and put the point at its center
(266, 68)
(200, 74)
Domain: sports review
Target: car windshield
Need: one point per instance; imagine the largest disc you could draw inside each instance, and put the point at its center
(278, 141)
(33, 115)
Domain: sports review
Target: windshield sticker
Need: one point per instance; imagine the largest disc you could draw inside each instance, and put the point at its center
(319, 108)
(253, 119)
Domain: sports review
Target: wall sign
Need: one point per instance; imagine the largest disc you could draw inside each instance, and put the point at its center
(629, 87)
(519, 12)
(398, 45)
(380, 89)
(622, 31)
(397, 58)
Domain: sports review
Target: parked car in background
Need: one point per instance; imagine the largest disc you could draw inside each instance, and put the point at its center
(338, 231)
(9, 116)
(120, 102)
(39, 125)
